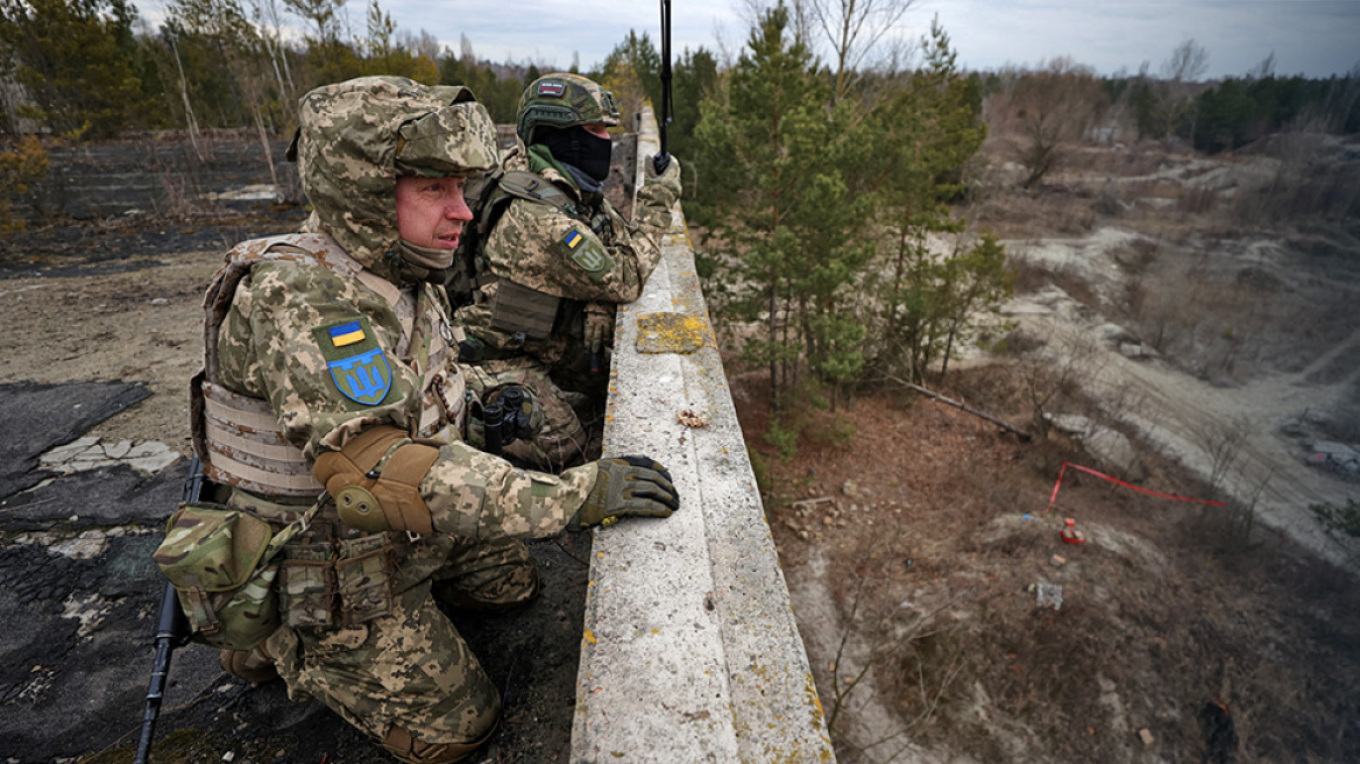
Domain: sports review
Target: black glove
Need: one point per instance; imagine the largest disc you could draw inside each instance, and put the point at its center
(660, 162)
(630, 486)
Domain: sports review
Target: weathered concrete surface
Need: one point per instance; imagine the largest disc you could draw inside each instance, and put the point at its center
(690, 652)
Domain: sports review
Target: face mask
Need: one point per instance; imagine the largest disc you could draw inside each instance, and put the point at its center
(428, 258)
(580, 149)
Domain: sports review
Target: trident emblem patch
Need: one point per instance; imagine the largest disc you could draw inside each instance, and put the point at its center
(356, 362)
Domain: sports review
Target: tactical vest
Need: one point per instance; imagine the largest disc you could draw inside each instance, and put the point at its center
(518, 310)
(238, 438)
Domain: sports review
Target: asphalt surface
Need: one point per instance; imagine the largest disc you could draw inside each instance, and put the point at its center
(79, 596)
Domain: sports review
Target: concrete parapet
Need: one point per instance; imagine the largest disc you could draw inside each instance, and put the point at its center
(690, 651)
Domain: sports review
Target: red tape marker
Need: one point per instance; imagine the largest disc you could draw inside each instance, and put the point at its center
(1052, 499)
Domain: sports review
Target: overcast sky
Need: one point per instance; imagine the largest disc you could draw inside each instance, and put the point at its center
(1312, 37)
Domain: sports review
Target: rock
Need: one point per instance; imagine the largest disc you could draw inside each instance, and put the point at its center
(849, 488)
(1136, 350)
(1115, 451)
(1146, 736)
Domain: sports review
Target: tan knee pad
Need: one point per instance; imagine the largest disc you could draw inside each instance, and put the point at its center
(401, 744)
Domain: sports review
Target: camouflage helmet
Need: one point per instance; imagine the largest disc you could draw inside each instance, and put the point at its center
(356, 137)
(563, 100)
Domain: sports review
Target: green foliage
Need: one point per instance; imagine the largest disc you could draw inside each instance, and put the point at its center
(632, 72)
(825, 212)
(1338, 521)
(784, 438)
(75, 58)
(20, 166)
(926, 301)
(385, 56)
(694, 77)
(1239, 111)
(773, 153)
(499, 95)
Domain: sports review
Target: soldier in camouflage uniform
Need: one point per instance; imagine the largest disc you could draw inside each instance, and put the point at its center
(551, 259)
(328, 362)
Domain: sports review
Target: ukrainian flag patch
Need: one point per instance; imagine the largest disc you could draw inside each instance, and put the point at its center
(357, 363)
(346, 334)
(573, 239)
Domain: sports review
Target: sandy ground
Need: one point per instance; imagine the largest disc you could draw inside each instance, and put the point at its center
(1278, 412)
(143, 324)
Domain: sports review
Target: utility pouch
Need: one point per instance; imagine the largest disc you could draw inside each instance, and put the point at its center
(307, 586)
(221, 563)
(364, 574)
(520, 310)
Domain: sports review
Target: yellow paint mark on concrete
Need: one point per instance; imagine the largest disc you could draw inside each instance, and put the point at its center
(671, 333)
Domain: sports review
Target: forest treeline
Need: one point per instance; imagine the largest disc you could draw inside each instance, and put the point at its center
(825, 162)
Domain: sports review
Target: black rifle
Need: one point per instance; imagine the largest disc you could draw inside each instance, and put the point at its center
(172, 631)
(663, 158)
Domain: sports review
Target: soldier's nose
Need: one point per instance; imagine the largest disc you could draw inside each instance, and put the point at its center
(458, 210)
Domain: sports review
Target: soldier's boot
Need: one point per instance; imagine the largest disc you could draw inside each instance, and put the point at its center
(401, 744)
(255, 665)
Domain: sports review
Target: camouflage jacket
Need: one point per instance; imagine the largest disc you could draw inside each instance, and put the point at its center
(295, 333)
(593, 256)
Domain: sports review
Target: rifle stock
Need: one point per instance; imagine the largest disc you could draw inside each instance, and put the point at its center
(172, 631)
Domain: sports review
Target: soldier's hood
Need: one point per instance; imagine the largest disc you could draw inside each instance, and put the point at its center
(356, 137)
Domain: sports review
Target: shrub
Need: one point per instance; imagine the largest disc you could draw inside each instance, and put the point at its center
(20, 167)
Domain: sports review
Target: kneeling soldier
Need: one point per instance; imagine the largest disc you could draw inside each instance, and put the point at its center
(330, 361)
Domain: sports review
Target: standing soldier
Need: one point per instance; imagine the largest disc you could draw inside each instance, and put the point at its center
(548, 261)
(328, 362)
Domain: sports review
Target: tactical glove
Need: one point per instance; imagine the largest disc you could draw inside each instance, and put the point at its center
(667, 174)
(599, 327)
(630, 486)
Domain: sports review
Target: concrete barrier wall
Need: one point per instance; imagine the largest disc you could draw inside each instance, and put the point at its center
(690, 651)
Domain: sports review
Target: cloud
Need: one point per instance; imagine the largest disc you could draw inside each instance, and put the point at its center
(1312, 37)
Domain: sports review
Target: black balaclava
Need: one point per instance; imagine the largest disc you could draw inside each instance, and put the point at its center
(578, 148)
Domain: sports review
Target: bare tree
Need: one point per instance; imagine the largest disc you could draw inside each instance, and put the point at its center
(1051, 109)
(854, 29)
(1188, 62)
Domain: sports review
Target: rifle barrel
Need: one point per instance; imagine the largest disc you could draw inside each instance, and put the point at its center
(172, 631)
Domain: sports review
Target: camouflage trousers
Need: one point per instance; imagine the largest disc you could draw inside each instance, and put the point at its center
(411, 669)
(567, 434)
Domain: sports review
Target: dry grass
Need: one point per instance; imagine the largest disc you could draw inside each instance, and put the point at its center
(934, 555)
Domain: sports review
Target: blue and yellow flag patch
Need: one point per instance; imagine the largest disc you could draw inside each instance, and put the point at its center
(356, 362)
(346, 334)
(585, 252)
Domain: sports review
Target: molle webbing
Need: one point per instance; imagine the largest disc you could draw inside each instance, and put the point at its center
(245, 448)
(520, 310)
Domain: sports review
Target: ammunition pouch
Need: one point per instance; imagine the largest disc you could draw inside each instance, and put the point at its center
(343, 584)
(221, 563)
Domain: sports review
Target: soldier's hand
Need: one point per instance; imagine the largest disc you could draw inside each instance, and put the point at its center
(599, 327)
(666, 173)
(630, 486)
